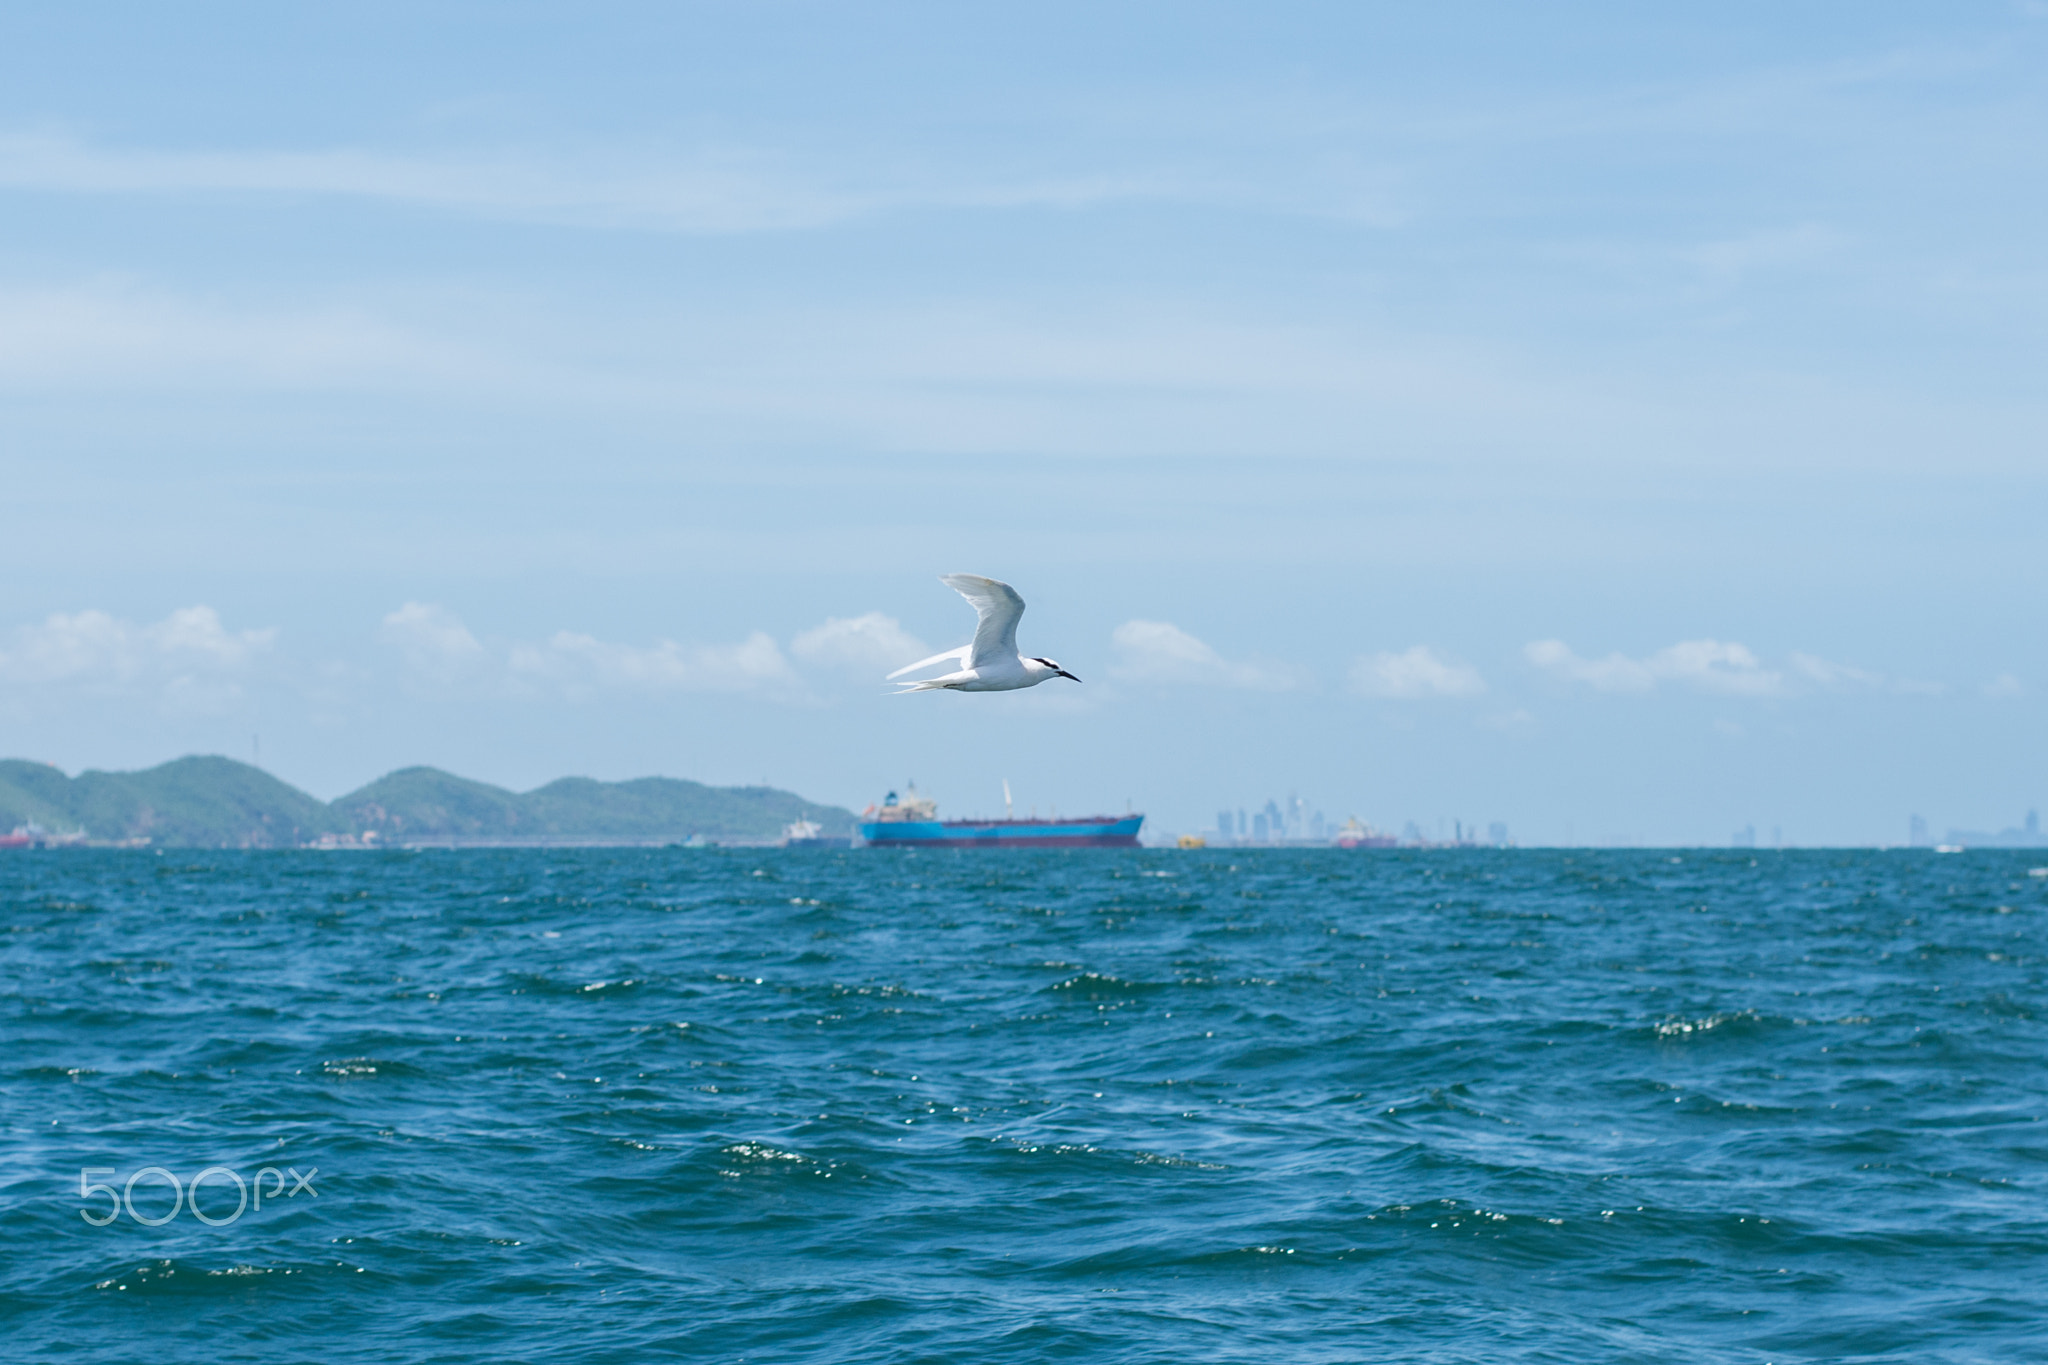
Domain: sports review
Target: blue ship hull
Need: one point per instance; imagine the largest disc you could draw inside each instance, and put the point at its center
(1097, 831)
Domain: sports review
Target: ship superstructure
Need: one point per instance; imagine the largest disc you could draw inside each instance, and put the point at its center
(802, 833)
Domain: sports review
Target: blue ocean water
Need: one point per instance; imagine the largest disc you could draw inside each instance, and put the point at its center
(622, 1105)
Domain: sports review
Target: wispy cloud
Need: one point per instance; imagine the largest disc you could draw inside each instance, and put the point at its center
(1710, 665)
(872, 643)
(713, 191)
(190, 659)
(954, 377)
(1721, 666)
(1414, 673)
(2005, 685)
(708, 189)
(1829, 674)
(1161, 652)
(440, 650)
(583, 663)
(110, 331)
(435, 643)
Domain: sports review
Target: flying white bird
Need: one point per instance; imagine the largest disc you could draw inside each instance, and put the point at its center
(991, 663)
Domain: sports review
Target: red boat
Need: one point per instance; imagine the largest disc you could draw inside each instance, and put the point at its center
(35, 836)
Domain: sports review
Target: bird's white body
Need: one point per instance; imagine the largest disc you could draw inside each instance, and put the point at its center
(991, 662)
(1001, 676)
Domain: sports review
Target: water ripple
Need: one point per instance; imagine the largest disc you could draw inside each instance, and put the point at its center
(607, 1105)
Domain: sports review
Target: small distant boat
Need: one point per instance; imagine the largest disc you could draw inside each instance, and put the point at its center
(1356, 835)
(912, 821)
(33, 835)
(811, 834)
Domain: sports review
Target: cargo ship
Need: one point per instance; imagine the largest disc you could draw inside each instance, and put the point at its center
(912, 821)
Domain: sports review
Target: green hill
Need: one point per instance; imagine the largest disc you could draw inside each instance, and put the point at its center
(190, 802)
(219, 803)
(34, 792)
(426, 801)
(416, 804)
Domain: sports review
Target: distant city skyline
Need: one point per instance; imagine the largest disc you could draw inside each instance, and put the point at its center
(2027, 834)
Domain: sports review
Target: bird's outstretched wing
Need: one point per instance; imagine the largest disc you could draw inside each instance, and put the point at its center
(996, 637)
(959, 652)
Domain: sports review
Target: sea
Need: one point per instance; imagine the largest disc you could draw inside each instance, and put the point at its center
(621, 1105)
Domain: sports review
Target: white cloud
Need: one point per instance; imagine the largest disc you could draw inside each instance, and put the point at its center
(1716, 666)
(195, 635)
(95, 647)
(190, 658)
(870, 643)
(1161, 652)
(433, 640)
(2005, 685)
(583, 662)
(439, 648)
(1828, 674)
(1710, 665)
(1414, 672)
(85, 644)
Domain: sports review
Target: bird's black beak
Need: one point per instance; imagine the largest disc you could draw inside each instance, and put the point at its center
(1064, 674)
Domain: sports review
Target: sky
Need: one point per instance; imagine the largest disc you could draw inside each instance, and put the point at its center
(1623, 422)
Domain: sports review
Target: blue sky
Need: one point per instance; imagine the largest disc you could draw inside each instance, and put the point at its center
(1625, 423)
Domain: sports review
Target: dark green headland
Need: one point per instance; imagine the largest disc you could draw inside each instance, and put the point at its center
(211, 802)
